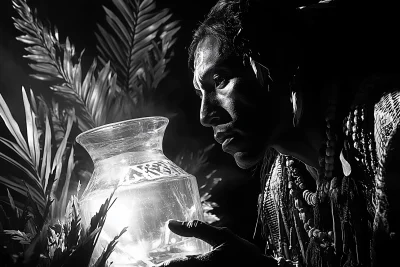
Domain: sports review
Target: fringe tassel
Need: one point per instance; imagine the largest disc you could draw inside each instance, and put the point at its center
(313, 254)
(319, 257)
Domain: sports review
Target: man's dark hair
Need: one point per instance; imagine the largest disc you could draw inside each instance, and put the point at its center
(222, 22)
(243, 28)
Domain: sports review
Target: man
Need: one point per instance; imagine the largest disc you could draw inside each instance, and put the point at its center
(311, 108)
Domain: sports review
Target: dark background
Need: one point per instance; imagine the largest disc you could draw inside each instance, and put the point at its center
(77, 19)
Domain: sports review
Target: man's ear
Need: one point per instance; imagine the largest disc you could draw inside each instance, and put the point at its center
(262, 73)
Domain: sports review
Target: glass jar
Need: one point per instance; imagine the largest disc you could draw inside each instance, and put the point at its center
(150, 190)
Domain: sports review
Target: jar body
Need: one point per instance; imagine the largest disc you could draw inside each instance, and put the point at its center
(150, 190)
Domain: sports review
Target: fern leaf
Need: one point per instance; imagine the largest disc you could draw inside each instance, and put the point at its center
(57, 62)
(132, 38)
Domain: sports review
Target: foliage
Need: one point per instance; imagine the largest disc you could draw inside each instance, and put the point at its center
(45, 230)
(137, 47)
(96, 98)
(41, 225)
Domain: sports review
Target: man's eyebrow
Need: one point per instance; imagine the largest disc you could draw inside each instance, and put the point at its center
(219, 65)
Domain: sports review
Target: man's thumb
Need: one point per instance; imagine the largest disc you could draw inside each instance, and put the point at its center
(214, 236)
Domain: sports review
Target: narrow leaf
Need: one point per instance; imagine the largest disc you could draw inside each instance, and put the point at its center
(12, 125)
(46, 158)
(17, 149)
(57, 162)
(29, 173)
(64, 194)
(30, 128)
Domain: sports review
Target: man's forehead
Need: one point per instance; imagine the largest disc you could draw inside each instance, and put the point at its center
(207, 52)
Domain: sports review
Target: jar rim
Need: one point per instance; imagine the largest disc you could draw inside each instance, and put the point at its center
(84, 134)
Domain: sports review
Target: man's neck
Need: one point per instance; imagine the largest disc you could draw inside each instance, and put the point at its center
(301, 143)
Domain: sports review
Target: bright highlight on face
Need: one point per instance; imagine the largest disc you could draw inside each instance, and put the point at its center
(232, 102)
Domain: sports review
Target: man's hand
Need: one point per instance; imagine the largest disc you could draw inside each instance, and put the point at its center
(228, 248)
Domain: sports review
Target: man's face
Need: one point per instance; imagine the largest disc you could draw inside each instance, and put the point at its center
(232, 102)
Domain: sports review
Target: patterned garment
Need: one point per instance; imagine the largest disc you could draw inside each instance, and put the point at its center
(358, 223)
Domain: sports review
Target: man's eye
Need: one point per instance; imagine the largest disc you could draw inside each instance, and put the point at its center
(219, 81)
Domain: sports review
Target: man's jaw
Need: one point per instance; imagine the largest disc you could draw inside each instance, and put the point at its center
(244, 160)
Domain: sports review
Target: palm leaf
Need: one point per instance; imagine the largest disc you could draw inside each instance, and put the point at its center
(37, 169)
(135, 33)
(12, 125)
(60, 64)
(65, 190)
(31, 131)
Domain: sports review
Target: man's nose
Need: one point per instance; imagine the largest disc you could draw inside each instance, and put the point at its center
(208, 111)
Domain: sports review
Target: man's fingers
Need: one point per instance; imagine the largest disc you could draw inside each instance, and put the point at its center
(215, 236)
(210, 259)
(191, 261)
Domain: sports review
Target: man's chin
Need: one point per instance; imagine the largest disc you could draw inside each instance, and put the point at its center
(246, 160)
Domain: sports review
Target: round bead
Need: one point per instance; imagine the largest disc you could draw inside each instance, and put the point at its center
(321, 161)
(328, 167)
(330, 234)
(302, 186)
(355, 128)
(326, 188)
(354, 136)
(291, 192)
(329, 160)
(302, 215)
(289, 163)
(330, 152)
(316, 232)
(328, 174)
(314, 199)
(333, 183)
(348, 124)
(330, 143)
(290, 185)
(330, 134)
(356, 146)
(355, 112)
(298, 203)
(310, 232)
(323, 235)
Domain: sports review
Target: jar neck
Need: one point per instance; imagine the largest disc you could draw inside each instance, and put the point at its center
(132, 136)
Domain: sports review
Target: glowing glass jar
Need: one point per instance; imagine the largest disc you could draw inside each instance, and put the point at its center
(151, 189)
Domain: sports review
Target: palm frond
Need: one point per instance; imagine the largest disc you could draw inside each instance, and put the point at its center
(38, 169)
(61, 64)
(13, 127)
(102, 260)
(138, 30)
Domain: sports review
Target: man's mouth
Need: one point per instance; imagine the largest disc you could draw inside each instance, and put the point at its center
(221, 137)
(226, 143)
